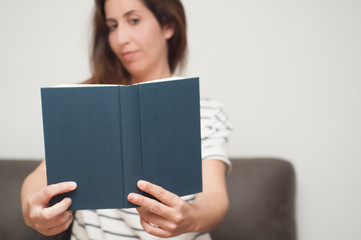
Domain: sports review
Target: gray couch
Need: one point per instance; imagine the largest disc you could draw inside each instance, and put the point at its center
(261, 191)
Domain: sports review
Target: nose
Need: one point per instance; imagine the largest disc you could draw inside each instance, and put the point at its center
(123, 35)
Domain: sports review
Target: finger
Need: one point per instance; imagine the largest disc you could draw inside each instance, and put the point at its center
(43, 225)
(151, 217)
(151, 205)
(64, 225)
(159, 193)
(57, 209)
(154, 230)
(50, 191)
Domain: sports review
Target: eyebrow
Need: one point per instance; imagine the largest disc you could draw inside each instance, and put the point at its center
(128, 13)
(124, 15)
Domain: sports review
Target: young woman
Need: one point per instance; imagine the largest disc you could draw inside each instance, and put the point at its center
(137, 41)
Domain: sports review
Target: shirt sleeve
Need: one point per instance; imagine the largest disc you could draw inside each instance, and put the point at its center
(215, 130)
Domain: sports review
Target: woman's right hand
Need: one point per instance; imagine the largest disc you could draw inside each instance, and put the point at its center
(48, 220)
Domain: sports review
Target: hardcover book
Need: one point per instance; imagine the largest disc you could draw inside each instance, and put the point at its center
(107, 137)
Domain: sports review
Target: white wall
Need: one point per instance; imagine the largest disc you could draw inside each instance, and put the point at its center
(42, 43)
(288, 74)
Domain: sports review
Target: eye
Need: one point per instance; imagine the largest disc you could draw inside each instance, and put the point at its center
(134, 20)
(112, 26)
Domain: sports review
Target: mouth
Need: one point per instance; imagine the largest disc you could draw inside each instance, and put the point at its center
(128, 55)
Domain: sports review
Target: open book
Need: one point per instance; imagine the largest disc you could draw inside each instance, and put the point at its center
(107, 137)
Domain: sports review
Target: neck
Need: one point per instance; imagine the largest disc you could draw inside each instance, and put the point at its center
(149, 77)
(155, 73)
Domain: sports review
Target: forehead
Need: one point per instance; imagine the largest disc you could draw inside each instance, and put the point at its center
(117, 8)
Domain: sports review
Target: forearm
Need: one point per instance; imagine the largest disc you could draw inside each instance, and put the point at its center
(33, 182)
(210, 209)
(211, 205)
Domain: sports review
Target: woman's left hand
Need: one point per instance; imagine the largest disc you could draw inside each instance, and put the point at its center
(168, 217)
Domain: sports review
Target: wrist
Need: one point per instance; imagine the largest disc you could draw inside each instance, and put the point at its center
(195, 214)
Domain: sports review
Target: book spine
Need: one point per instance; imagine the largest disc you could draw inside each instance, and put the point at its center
(131, 139)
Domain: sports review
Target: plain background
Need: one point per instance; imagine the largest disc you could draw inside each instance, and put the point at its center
(287, 72)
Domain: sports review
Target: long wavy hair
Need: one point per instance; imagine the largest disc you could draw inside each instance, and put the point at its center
(107, 68)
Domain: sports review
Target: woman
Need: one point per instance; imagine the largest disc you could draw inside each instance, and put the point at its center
(137, 41)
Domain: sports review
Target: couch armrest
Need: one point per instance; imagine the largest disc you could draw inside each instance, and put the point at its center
(262, 201)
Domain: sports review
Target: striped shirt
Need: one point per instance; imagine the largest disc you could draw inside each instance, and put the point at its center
(124, 224)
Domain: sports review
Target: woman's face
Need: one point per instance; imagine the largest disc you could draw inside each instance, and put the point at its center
(137, 39)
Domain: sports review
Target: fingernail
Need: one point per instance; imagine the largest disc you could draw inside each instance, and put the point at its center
(132, 197)
(72, 184)
(141, 184)
(68, 201)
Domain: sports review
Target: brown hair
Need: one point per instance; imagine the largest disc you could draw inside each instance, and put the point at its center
(106, 67)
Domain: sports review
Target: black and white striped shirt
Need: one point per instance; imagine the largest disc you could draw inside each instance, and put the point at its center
(124, 224)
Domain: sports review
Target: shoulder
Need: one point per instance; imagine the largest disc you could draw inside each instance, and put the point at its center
(215, 131)
(88, 81)
(210, 103)
(211, 109)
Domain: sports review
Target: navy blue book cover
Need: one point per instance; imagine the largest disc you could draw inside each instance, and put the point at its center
(108, 137)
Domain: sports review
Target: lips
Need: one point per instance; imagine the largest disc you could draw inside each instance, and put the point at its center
(129, 55)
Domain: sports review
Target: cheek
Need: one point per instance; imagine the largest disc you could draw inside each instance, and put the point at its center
(112, 43)
(153, 41)
(151, 35)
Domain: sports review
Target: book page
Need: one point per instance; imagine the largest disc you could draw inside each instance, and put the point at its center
(112, 85)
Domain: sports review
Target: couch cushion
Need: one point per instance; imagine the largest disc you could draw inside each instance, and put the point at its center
(12, 174)
(261, 193)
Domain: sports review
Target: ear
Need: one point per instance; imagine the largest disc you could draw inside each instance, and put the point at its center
(168, 31)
